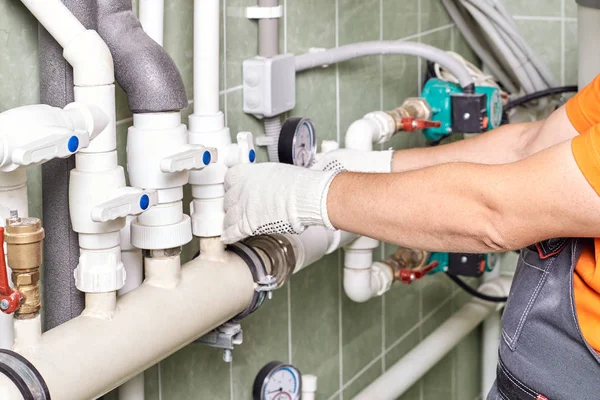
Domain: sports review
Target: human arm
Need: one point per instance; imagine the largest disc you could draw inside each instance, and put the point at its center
(456, 207)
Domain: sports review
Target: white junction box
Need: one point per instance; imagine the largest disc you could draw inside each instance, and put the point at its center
(269, 85)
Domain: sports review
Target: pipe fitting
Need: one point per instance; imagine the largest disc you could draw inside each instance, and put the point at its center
(24, 237)
(277, 253)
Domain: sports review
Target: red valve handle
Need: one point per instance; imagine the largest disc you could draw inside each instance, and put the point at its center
(407, 275)
(412, 124)
(10, 299)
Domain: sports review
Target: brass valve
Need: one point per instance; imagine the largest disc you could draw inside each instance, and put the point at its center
(23, 237)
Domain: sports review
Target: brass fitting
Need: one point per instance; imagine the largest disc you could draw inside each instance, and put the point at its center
(405, 259)
(413, 107)
(23, 237)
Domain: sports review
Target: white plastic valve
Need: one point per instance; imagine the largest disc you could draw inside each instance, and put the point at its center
(193, 157)
(130, 201)
(242, 152)
(60, 144)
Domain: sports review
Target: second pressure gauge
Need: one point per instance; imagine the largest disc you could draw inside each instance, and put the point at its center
(297, 142)
(277, 381)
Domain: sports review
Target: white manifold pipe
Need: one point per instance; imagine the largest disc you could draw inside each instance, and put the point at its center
(173, 307)
(413, 366)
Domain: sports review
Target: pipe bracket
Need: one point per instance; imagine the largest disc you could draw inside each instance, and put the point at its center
(264, 12)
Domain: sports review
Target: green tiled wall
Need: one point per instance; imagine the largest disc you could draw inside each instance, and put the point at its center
(310, 322)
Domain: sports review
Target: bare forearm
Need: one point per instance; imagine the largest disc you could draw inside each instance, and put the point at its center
(437, 208)
(499, 146)
(506, 144)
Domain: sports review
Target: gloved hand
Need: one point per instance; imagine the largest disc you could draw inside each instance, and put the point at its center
(272, 198)
(354, 161)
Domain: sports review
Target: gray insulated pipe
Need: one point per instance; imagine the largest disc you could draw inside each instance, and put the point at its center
(62, 300)
(142, 68)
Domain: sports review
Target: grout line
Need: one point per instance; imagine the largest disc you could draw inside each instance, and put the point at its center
(289, 311)
(231, 380)
(224, 27)
(391, 347)
(562, 42)
(419, 61)
(337, 74)
(125, 121)
(231, 89)
(159, 383)
(340, 328)
(285, 37)
(536, 18)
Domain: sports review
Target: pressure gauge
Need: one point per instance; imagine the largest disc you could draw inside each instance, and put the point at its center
(277, 381)
(297, 142)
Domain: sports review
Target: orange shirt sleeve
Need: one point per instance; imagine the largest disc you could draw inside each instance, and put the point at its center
(586, 150)
(583, 109)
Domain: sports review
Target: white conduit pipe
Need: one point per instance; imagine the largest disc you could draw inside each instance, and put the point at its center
(13, 196)
(351, 51)
(474, 42)
(152, 17)
(206, 57)
(413, 366)
(171, 309)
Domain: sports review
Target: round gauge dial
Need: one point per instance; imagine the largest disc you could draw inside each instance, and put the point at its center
(277, 381)
(297, 142)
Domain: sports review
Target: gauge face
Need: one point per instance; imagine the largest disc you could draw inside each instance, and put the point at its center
(304, 144)
(297, 142)
(277, 381)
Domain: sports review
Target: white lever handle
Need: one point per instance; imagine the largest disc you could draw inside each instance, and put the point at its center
(129, 201)
(60, 144)
(193, 157)
(243, 152)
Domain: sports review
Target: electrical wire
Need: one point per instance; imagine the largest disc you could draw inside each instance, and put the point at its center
(463, 285)
(539, 95)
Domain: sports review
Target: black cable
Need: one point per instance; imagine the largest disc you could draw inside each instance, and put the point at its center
(463, 285)
(539, 95)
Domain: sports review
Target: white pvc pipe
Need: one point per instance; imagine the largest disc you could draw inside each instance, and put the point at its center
(588, 25)
(152, 17)
(413, 366)
(57, 19)
(133, 261)
(206, 57)
(169, 311)
(489, 351)
(356, 50)
(13, 196)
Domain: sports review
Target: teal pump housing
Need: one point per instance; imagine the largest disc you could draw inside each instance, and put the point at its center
(438, 94)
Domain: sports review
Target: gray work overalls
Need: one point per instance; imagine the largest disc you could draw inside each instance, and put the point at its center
(543, 354)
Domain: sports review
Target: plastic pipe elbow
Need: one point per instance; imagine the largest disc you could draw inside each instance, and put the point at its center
(91, 60)
(360, 135)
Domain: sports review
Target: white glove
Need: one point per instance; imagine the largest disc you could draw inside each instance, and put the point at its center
(272, 198)
(354, 161)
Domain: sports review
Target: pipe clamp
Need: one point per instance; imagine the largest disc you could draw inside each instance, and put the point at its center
(264, 12)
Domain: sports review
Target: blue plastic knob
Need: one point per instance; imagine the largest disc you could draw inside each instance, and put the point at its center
(73, 144)
(206, 158)
(144, 202)
(252, 155)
